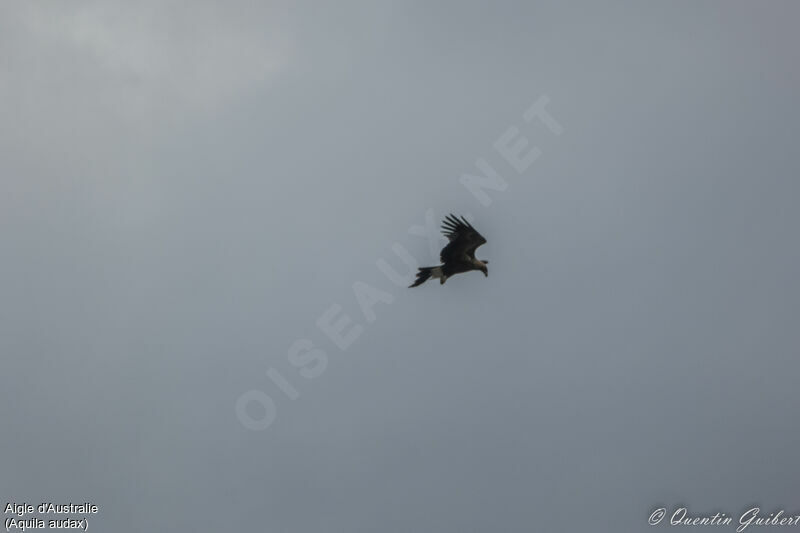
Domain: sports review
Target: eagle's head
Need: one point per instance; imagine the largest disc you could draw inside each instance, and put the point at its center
(484, 268)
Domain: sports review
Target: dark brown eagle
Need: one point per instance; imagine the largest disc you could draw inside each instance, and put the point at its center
(459, 254)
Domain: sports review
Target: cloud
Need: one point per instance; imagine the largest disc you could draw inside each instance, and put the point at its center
(137, 59)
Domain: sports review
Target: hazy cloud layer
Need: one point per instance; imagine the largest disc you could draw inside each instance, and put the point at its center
(186, 188)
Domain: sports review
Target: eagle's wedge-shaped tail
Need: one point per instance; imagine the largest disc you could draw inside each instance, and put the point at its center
(426, 273)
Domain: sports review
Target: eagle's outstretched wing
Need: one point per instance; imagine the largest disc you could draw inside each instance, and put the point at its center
(464, 239)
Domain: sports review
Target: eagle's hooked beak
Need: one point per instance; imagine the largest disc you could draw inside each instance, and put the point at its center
(485, 271)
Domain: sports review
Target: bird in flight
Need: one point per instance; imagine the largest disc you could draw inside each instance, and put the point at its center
(459, 254)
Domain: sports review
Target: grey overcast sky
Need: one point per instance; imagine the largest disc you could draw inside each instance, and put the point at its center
(187, 187)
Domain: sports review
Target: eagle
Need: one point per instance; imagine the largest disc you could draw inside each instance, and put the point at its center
(459, 254)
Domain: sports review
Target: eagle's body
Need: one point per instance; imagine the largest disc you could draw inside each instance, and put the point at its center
(459, 254)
